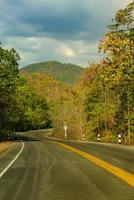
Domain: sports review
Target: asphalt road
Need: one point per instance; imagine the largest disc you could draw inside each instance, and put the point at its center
(45, 170)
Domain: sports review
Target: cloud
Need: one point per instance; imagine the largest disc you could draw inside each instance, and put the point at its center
(66, 51)
(58, 19)
(37, 49)
(68, 30)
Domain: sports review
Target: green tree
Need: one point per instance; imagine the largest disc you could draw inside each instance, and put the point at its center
(9, 74)
(118, 43)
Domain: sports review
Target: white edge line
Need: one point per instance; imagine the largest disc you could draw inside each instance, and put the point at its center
(11, 163)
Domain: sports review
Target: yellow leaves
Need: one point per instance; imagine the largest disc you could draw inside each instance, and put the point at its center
(113, 42)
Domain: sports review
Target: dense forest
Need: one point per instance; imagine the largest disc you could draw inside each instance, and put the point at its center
(101, 102)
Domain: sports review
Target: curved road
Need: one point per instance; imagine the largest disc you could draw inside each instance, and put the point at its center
(45, 170)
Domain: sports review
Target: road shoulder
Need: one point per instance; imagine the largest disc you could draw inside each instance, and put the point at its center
(4, 146)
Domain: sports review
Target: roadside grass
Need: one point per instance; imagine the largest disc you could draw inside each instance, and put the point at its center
(4, 146)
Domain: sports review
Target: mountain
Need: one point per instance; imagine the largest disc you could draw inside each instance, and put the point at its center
(67, 73)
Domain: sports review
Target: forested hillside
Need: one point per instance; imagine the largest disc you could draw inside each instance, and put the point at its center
(102, 102)
(68, 73)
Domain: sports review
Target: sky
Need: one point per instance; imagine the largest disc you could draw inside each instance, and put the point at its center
(68, 31)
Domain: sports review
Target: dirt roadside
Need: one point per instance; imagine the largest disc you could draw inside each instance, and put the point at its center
(4, 146)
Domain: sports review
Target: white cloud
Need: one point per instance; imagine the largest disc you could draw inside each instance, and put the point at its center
(64, 30)
(37, 49)
(66, 51)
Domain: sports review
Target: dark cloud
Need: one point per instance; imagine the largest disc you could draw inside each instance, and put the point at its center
(60, 23)
(24, 19)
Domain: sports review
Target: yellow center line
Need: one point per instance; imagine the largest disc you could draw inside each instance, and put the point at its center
(122, 174)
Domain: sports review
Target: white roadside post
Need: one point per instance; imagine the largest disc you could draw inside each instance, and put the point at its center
(83, 137)
(119, 138)
(98, 137)
(65, 133)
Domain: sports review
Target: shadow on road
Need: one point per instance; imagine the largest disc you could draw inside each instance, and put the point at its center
(20, 137)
